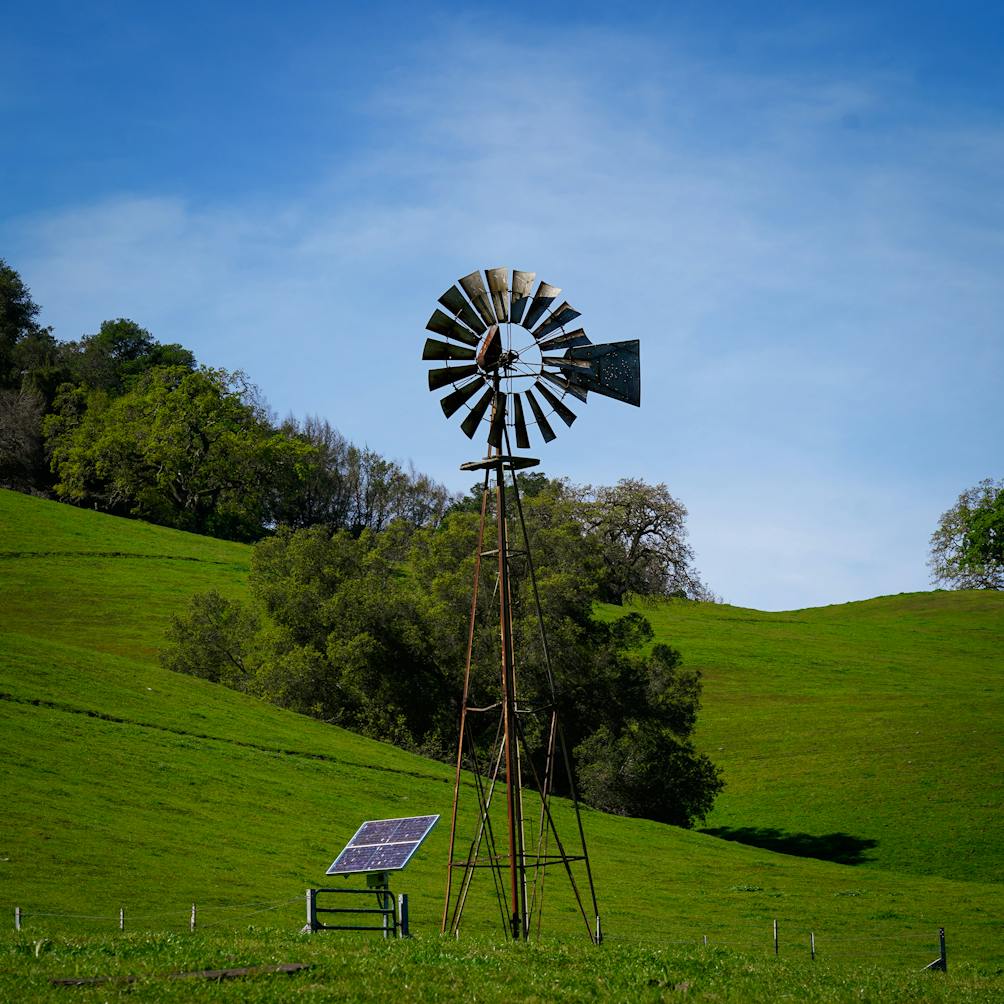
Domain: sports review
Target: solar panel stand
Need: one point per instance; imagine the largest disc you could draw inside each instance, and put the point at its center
(391, 909)
(377, 848)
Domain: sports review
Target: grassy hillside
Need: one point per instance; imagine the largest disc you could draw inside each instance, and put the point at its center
(867, 732)
(129, 785)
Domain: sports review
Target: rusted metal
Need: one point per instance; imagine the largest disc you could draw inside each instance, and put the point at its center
(491, 349)
(517, 879)
(463, 705)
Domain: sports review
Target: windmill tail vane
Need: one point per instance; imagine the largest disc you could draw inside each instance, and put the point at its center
(513, 360)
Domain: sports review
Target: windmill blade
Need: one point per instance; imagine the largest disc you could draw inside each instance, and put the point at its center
(615, 370)
(474, 287)
(442, 324)
(576, 337)
(561, 410)
(521, 283)
(542, 299)
(538, 413)
(498, 283)
(522, 436)
(474, 416)
(498, 422)
(444, 350)
(570, 388)
(455, 303)
(562, 316)
(461, 395)
(449, 374)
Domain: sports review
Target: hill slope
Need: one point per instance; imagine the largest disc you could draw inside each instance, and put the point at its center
(866, 732)
(134, 786)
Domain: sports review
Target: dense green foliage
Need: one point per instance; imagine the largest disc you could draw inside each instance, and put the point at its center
(967, 549)
(119, 422)
(24, 343)
(984, 541)
(367, 632)
(638, 532)
(181, 448)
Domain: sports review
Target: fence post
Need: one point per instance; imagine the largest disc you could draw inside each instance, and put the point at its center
(311, 909)
(17, 918)
(705, 941)
(121, 918)
(402, 909)
(812, 945)
(941, 962)
(775, 937)
(192, 922)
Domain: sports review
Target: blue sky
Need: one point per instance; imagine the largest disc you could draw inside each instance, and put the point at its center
(800, 214)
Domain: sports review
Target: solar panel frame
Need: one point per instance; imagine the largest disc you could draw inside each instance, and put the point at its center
(382, 845)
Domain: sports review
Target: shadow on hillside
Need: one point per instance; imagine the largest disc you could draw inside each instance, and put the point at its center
(839, 847)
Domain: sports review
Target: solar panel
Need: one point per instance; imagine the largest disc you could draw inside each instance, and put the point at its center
(382, 845)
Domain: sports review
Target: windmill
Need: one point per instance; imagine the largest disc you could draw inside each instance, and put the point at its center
(513, 361)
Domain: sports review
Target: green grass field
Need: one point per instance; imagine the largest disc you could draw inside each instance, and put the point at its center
(126, 785)
(866, 732)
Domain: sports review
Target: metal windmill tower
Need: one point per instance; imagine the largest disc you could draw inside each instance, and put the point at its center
(507, 349)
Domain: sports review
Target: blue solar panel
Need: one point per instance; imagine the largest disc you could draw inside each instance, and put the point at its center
(382, 845)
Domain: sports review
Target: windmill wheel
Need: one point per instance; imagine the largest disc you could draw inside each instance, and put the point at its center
(504, 347)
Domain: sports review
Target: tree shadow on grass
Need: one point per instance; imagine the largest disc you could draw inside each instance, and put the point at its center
(841, 848)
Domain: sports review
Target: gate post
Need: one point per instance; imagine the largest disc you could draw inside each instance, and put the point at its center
(311, 910)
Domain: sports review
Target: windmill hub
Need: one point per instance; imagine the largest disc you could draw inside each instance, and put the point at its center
(509, 360)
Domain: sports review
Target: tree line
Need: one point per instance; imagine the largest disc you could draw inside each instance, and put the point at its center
(369, 633)
(118, 422)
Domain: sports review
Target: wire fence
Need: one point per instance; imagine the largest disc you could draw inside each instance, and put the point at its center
(918, 947)
(193, 918)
